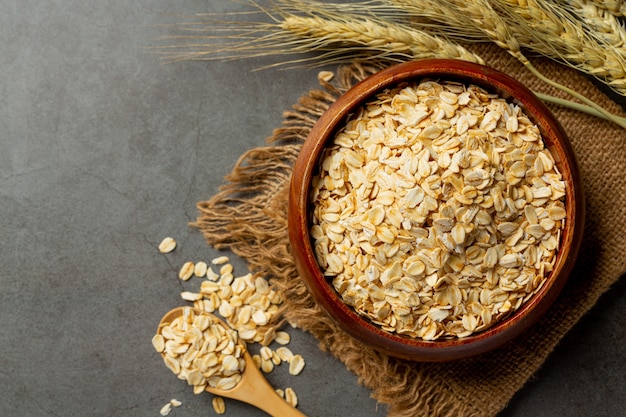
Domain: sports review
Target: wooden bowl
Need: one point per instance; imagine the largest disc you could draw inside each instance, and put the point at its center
(299, 216)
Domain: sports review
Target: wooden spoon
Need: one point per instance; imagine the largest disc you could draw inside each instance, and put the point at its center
(253, 388)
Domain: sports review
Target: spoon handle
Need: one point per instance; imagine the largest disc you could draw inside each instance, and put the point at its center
(255, 390)
(263, 396)
(273, 404)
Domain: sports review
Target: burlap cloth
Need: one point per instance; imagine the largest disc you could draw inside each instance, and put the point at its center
(248, 217)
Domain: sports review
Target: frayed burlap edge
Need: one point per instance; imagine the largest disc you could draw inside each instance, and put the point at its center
(248, 216)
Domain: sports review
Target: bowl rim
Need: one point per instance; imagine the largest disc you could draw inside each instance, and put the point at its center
(323, 292)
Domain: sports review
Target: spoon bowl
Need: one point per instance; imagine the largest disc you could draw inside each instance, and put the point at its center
(253, 388)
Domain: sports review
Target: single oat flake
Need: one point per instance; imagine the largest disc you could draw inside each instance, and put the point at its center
(167, 245)
(219, 406)
(186, 271)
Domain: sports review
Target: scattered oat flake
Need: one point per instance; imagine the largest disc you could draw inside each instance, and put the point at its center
(296, 365)
(212, 275)
(267, 365)
(291, 397)
(165, 410)
(190, 296)
(282, 338)
(167, 245)
(325, 76)
(266, 353)
(200, 269)
(285, 354)
(186, 271)
(260, 318)
(219, 405)
(220, 260)
(158, 342)
(226, 269)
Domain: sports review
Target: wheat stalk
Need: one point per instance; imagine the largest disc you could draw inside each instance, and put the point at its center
(299, 27)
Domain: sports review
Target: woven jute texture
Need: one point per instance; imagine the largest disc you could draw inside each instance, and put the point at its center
(249, 217)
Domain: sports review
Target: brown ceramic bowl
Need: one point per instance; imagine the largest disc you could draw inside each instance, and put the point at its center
(300, 212)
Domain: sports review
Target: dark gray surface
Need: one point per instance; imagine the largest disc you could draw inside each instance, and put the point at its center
(103, 152)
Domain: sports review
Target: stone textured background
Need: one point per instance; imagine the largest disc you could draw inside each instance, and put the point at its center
(104, 151)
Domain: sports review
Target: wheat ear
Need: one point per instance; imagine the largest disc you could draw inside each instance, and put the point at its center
(388, 41)
(605, 24)
(540, 26)
(437, 16)
(550, 30)
(495, 27)
(298, 27)
(615, 7)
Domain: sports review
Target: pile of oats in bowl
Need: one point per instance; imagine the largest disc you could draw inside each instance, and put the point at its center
(437, 210)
